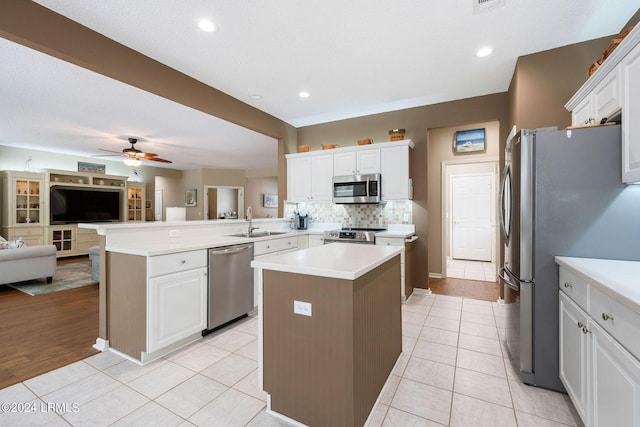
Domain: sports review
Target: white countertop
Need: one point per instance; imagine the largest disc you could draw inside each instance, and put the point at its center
(618, 279)
(337, 260)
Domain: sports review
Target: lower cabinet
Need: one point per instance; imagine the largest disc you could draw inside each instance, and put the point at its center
(574, 354)
(177, 307)
(405, 289)
(600, 375)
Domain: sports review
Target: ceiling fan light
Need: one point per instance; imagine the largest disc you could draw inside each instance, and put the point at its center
(132, 162)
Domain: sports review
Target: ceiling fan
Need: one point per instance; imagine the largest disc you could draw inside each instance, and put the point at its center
(133, 156)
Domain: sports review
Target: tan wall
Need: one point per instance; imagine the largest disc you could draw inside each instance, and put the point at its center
(172, 193)
(441, 150)
(543, 83)
(417, 122)
(253, 191)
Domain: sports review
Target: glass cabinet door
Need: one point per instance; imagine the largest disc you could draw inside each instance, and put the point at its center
(27, 208)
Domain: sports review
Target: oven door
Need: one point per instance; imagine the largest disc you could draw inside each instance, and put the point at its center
(356, 189)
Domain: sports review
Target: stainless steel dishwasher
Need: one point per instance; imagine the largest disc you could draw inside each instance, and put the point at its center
(230, 283)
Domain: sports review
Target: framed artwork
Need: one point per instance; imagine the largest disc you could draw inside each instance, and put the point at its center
(191, 197)
(470, 141)
(270, 200)
(147, 204)
(91, 167)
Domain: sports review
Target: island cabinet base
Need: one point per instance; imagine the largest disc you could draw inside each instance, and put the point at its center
(328, 369)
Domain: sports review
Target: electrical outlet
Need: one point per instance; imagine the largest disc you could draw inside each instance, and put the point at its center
(174, 233)
(303, 308)
(405, 217)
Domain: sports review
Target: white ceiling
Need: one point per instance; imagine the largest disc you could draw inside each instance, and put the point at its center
(354, 57)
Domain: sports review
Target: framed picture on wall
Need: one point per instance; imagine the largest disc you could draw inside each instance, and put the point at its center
(191, 197)
(470, 141)
(270, 200)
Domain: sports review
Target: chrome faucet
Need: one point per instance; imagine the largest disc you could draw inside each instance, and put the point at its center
(250, 218)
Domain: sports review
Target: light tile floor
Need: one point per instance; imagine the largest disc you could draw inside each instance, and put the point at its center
(471, 270)
(452, 371)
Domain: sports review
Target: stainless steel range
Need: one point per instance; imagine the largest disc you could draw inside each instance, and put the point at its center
(365, 236)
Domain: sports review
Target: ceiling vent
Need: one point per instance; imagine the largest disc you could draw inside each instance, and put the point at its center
(486, 5)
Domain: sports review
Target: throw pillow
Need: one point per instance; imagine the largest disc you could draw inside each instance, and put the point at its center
(3, 243)
(18, 243)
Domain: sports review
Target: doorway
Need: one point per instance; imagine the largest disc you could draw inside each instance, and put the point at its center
(469, 230)
(222, 202)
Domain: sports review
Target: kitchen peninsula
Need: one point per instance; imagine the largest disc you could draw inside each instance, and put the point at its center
(330, 330)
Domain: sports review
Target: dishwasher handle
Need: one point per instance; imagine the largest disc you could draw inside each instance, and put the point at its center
(229, 249)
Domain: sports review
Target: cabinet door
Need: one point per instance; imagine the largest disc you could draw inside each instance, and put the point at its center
(299, 179)
(616, 382)
(344, 163)
(574, 353)
(322, 177)
(582, 113)
(316, 240)
(606, 96)
(177, 307)
(368, 161)
(631, 109)
(395, 173)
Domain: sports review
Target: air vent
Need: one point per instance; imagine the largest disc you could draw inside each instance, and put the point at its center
(486, 5)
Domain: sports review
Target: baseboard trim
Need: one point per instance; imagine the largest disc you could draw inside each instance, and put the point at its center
(101, 344)
(435, 275)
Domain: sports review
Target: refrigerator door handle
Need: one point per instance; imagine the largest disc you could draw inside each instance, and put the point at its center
(504, 277)
(506, 228)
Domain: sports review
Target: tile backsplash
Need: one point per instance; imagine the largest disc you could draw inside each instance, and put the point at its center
(381, 216)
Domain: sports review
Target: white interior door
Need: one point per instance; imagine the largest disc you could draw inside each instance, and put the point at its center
(471, 217)
(158, 206)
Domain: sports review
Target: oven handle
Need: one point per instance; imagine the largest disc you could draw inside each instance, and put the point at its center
(503, 273)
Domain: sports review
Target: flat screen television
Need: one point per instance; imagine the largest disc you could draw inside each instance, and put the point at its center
(73, 205)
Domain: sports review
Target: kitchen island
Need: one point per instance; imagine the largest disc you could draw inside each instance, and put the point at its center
(330, 331)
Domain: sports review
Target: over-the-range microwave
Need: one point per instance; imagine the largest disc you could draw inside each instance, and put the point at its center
(357, 189)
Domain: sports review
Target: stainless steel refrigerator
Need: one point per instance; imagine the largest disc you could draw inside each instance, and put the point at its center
(561, 193)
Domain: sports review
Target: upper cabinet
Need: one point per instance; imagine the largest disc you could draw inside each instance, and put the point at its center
(615, 88)
(310, 175)
(362, 162)
(630, 70)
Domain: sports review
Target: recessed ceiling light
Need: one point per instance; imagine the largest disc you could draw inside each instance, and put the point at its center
(255, 96)
(485, 51)
(206, 25)
(303, 94)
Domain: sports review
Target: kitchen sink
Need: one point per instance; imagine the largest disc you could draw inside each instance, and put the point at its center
(259, 234)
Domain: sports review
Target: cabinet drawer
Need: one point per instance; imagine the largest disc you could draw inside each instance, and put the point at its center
(174, 263)
(25, 232)
(392, 241)
(264, 247)
(575, 288)
(617, 319)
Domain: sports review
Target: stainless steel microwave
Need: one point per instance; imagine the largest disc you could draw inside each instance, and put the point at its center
(357, 188)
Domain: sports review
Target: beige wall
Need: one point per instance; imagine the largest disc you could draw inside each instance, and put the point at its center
(441, 150)
(543, 83)
(253, 191)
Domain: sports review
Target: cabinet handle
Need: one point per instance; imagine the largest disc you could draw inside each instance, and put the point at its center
(568, 285)
(583, 327)
(289, 243)
(606, 316)
(268, 247)
(182, 261)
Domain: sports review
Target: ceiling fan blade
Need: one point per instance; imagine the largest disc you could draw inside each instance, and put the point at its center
(105, 155)
(146, 155)
(157, 159)
(110, 151)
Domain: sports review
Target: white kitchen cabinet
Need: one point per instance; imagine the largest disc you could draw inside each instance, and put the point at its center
(604, 101)
(270, 247)
(309, 178)
(598, 352)
(574, 354)
(177, 307)
(359, 162)
(397, 241)
(176, 297)
(316, 240)
(396, 182)
(631, 124)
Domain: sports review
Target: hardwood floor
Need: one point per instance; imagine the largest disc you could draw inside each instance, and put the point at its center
(45, 332)
(487, 291)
